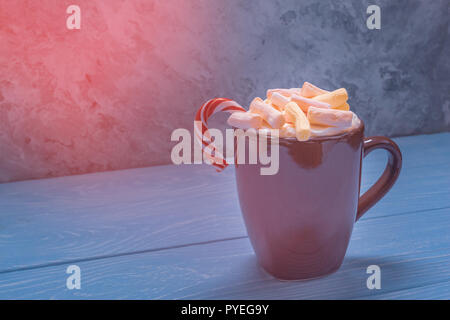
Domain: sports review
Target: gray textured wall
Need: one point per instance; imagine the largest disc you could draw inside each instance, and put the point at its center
(109, 95)
(397, 77)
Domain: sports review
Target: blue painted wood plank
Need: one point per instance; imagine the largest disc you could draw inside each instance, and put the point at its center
(436, 291)
(412, 251)
(79, 217)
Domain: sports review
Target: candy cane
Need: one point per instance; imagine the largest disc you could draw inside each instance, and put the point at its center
(202, 135)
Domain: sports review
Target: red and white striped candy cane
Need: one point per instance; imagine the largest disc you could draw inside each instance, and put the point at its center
(202, 135)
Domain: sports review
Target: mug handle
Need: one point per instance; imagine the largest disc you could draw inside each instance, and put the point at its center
(389, 176)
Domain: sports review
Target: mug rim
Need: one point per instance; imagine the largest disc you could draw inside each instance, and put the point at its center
(331, 137)
(345, 134)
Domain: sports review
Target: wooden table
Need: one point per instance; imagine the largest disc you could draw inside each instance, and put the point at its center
(167, 232)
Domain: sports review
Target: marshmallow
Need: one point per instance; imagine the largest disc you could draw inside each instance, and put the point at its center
(302, 127)
(245, 120)
(284, 92)
(270, 103)
(309, 90)
(287, 131)
(335, 98)
(330, 117)
(344, 107)
(321, 131)
(300, 113)
(287, 119)
(273, 117)
(279, 100)
(305, 103)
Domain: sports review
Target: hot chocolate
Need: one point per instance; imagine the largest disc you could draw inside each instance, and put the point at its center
(302, 113)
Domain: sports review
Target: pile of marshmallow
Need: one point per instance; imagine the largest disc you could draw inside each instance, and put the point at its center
(298, 112)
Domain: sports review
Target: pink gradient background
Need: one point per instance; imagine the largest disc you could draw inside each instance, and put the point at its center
(108, 96)
(103, 97)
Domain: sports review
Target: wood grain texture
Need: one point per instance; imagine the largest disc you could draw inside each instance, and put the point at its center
(177, 232)
(408, 257)
(437, 291)
(113, 213)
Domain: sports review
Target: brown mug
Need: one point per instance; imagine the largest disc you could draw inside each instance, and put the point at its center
(300, 220)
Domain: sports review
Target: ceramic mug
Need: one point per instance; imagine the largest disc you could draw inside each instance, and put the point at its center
(300, 220)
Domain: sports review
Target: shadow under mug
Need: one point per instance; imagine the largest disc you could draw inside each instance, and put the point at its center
(300, 220)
